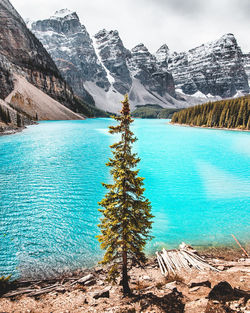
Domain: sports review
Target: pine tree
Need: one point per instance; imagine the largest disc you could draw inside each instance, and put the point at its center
(127, 219)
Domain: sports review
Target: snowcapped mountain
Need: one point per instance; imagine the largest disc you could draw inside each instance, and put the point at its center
(30, 82)
(215, 68)
(102, 68)
(72, 49)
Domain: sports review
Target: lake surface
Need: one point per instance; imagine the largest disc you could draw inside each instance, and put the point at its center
(198, 181)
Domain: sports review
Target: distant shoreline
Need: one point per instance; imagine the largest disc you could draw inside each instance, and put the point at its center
(206, 127)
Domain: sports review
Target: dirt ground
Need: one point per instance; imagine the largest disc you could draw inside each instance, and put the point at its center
(188, 291)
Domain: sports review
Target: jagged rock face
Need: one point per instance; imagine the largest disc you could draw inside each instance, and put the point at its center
(162, 56)
(103, 66)
(113, 56)
(19, 45)
(215, 68)
(246, 60)
(22, 53)
(71, 48)
(6, 77)
(145, 67)
(107, 69)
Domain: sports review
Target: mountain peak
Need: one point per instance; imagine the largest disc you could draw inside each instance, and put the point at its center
(163, 48)
(107, 33)
(64, 13)
(140, 48)
(228, 35)
(162, 55)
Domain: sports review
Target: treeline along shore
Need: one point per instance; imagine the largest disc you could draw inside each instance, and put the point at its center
(229, 113)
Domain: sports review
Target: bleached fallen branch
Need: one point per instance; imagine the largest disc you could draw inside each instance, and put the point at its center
(173, 261)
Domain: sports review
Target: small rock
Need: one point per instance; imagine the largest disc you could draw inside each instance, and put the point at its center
(104, 293)
(242, 279)
(221, 268)
(98, 269)
(145, 277)
(86, 278)
(171, 286)
(194, 289)
(234, 306)
(205, 283)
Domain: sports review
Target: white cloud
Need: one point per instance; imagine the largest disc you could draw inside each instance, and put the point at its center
(182, 24)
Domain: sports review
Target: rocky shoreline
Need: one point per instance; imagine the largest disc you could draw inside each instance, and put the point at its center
(10, 130)
(190, 291)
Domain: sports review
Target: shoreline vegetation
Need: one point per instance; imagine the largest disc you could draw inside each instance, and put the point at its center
(153, 111)
(231, 114)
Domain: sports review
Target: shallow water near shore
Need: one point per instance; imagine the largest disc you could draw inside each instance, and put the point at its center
(198, 181)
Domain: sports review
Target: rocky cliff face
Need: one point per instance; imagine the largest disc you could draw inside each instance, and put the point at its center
(105, 68)
(23, 54)
(149, 71)
(72, 49)
(214, 68)
(246, 60)
(113, 56)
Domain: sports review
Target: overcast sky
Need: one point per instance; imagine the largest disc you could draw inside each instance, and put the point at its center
(181, 24)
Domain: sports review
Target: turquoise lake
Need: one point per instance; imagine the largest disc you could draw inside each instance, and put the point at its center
(198, 181)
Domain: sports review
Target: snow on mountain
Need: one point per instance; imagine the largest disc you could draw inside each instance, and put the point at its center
(23, 58)
(101, 70)
(103, 67)
(162, 56)
(113, 55)
(63, 13)
(71, 47)
(215, 67)
(247, 66)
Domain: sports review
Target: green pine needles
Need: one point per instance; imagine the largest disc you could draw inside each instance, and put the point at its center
(229, 113)
(127, 219)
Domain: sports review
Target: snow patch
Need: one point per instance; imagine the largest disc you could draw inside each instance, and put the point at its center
(62, 13)
(109, 76)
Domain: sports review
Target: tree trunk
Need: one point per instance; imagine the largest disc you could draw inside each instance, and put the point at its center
(125, 286)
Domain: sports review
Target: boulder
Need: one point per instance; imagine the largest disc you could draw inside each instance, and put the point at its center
(221, 291)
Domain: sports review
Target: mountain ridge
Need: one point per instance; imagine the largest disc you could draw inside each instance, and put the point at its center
(172, 80)
(22, 56)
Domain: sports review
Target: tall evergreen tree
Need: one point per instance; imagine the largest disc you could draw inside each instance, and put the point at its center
(127, 219)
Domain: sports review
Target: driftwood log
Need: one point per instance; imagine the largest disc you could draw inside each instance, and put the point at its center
(36, 288)
(173, 261)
